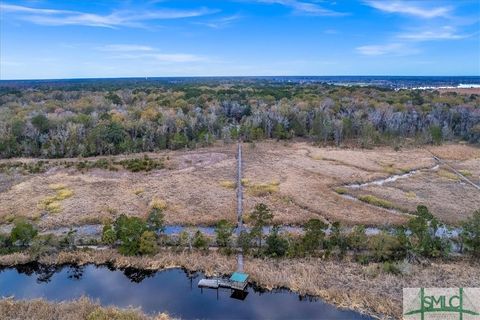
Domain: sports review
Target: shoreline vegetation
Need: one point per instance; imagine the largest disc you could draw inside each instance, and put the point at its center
(351, 270)
(345, 283)
(79, 309)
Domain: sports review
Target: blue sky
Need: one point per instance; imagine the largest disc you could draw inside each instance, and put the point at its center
(42, 39)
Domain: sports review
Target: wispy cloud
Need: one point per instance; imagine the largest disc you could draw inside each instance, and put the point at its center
(124, 48)
(305, 8)
(175, 57)
(396, 49)
(14, 8)
(410, 8)
(445, 33)
(221, 22)
(124, 18)
(143, 52)
(161, 57)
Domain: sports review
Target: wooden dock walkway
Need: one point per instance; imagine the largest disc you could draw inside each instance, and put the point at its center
(239, 190)
(239, 280)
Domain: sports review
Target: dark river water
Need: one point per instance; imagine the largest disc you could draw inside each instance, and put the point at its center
(173, 291)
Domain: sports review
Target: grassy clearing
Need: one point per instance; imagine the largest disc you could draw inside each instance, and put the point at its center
(341, 190)
(263, 189)
(448, 175)
(83, 308)
(56, 186)
(465, 173)
(52, 204)
(9, 218)
(189, 200)
(388, 168)
(410, 195)
(158, 204)
(63, 194)
(370, 199)
(139, 191)
(228, 184)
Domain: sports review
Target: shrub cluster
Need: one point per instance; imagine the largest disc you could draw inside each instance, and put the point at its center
(25, 236)
(421, 238)
(133, 165)
(135, 235)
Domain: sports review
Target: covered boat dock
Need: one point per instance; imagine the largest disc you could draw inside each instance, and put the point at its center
(238, 281)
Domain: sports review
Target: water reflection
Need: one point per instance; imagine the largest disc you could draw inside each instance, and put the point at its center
(75, 272)
(174, 291)
(138, 275)
(44, 273)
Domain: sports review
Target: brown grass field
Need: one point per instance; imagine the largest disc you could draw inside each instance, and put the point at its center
(295, 179)
(461, 90)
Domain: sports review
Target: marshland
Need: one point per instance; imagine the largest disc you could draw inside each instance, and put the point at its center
(349, 193)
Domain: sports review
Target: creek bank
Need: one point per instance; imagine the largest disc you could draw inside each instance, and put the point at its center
(174, 291)
(82, 308)
(344, 283)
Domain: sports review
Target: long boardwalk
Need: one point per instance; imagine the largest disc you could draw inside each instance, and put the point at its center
(458, 173)
(239, 190)
(221, 283)
(239, 204)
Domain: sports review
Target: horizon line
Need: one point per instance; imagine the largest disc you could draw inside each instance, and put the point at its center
(236, 76)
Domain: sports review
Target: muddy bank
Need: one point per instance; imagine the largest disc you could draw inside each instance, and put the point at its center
(345, 283)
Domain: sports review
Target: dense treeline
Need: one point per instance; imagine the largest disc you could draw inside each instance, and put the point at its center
(87, 121)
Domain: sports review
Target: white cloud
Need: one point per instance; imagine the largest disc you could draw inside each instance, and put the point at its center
(14, 8)
(307, 8)
(175, 57)
(127, 18)
(163, 58)
(396, 49)
(125, 48)
(221, 22)
(409, 8)
(145, 53)
(445, 33)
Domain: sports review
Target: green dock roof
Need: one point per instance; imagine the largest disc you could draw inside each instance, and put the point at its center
(239, 277)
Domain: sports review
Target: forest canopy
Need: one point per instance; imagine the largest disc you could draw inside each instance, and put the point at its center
(104, 118)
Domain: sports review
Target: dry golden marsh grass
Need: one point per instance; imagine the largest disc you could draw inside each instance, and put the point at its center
(296, 180)
(344, 283)
(81, 309)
